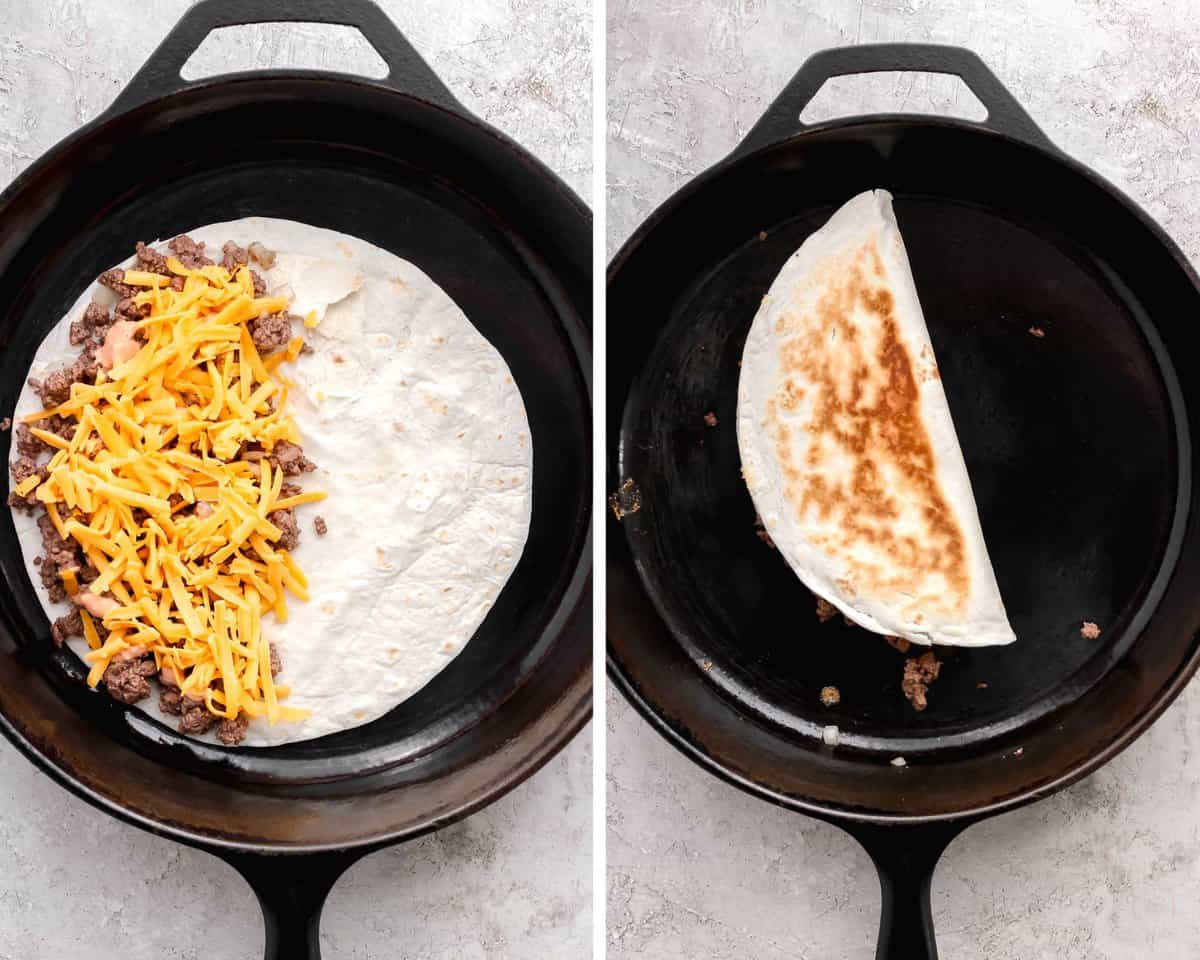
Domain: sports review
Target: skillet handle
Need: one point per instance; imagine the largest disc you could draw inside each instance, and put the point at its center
(782, 119)
(160, 75)
(905, 857)
(291, 889)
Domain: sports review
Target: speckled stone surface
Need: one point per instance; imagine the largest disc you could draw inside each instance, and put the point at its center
(511, 882)
(1111, 867)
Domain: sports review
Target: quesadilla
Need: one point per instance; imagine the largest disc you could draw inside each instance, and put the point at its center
(270, 497)
(847, 443)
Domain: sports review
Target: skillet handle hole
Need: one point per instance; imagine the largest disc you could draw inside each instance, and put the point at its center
(894, 91)
(304, 46)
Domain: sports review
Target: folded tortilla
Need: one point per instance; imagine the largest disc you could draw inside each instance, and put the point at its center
(422, 443)
(847, 443)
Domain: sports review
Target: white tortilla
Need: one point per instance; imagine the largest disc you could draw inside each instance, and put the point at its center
(847, 443)
(421, 441)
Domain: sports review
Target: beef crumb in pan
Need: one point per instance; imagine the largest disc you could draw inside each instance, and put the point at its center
(760, 531)
(825, 610)
(1089, 630)
(919, 673)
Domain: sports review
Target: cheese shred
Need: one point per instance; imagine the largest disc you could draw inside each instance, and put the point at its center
(156, 439)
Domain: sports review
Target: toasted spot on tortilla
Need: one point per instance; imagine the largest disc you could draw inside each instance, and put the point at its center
(328, 607)
(852, 444)
(436, 404)
(346, 251)
(398, 283)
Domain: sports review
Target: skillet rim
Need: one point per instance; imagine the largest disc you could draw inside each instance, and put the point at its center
(616, 670)
(572, 704)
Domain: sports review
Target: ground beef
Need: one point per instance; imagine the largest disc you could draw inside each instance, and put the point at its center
(276, 663)
(169, 701)
(97, 320)
(60, 426)
(285, 520)
(57, 553)
(189, 252)
(271, 331)
(1089, 630)
(79, 333)
(56, 388)
(761, 532)
(919, 673)
(194, 717)
(128, 310)
(291, 459)
(234, 256)
(151, 260)
(232, 732)
(70, 625)
(128, 680)
(27, 444)
(113, 279)
(87, 364)
(319, 526)
(178, 283)
(290, 490)
(825, 610)
(23, 469)
(710, 419)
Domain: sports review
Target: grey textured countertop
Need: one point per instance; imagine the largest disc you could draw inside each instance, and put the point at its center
(512, 881)
(1110, 868)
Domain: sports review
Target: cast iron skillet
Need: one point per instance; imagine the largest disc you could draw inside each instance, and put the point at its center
(400, 163)
(1078, 445)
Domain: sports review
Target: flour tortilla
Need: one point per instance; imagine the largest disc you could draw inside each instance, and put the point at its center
(421, 441)
(847, 443)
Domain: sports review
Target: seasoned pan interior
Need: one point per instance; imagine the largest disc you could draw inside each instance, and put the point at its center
(434, 189)
(1076, 443)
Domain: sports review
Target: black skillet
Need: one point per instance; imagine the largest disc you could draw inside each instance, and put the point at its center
(1078, 446)
(400, 163)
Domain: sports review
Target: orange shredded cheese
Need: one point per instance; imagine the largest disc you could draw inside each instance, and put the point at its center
(157, 434)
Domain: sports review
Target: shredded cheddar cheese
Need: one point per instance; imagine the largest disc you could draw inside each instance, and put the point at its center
(155, 437)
